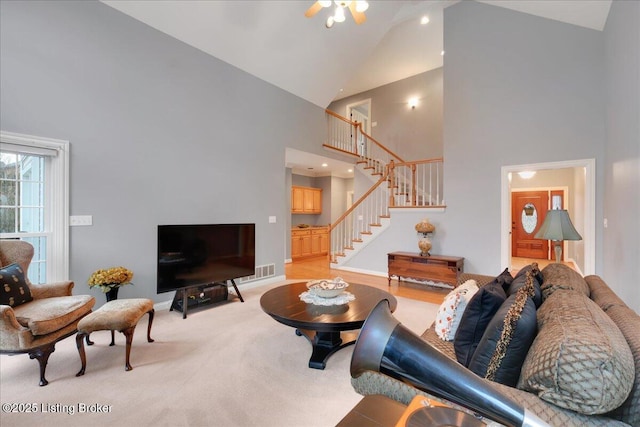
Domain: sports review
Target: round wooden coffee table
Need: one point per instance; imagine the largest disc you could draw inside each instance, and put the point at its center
(328, 328)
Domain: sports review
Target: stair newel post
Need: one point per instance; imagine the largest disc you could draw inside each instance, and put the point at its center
(356, 126)
(392, 180)
(414, 200)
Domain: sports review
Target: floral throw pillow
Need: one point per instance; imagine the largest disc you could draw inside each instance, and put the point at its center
(450, 311)
(13, 286)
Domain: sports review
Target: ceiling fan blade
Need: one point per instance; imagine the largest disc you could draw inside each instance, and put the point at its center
(315, 8)
(359, 17)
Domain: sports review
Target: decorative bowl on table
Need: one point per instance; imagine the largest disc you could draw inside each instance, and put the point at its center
(327, 288)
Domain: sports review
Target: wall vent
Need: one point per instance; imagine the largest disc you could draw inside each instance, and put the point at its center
(262, 271)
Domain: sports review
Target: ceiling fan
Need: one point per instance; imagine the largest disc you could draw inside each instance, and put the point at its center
(356, 8)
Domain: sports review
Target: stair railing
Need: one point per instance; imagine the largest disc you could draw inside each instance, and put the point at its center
(416, 184)
(360, 218)
(408, 184)
(348, 137)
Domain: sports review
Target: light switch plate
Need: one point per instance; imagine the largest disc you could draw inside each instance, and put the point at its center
(272, 220)
(77, 220)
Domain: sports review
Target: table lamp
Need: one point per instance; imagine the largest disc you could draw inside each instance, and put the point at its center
(557, 227)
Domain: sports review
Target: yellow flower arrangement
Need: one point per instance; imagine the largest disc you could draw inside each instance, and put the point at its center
(107, 279)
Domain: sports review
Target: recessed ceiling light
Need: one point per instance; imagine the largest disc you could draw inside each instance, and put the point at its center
(442, 53)
(324, 165)
(424, 20)
(527, 174)
(349, 170)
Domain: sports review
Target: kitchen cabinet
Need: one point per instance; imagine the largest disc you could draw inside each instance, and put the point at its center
(306, 200)
(309, 242)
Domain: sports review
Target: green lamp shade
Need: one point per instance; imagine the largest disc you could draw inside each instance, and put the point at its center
(557, 226)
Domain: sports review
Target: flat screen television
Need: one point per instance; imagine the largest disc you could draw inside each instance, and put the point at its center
(201, 254)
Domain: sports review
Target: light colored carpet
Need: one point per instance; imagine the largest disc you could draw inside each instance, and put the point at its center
(231, 365)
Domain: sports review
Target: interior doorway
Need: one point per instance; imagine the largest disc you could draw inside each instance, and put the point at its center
(581, 206)
(528, 211)
(360, 112)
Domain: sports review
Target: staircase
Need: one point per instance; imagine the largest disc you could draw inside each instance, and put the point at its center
(396, 184)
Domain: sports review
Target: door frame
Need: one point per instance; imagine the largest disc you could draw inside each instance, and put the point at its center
(550, 190)
(353, 105)
(589, 235)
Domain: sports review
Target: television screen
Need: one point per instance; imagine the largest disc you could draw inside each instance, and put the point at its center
(198, 255)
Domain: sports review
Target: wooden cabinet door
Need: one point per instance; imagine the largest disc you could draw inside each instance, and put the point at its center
(306, 245)
(308, 200)
(315, 244)
(297, 200)
(324, 243)
(296, 246)
(298, 243)
(317, 201)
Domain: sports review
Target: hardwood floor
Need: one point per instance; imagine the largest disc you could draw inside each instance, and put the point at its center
(317, 268)
(518, 263)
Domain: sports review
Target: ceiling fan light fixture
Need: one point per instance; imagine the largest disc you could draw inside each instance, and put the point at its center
(342, 3)
(329, 22)
(325, 3)
(339, 15)
(361, 6)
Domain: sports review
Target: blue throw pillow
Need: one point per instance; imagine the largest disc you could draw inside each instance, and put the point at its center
(13, 286)
(479, 312)
(504, 346)
(504, 279)
(521, 279)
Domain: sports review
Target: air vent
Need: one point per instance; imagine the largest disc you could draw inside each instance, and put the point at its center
(262, 271)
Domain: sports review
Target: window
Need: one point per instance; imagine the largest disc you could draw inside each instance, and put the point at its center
(34, 201)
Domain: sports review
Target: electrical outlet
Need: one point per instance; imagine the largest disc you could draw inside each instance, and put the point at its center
(77, 220)
(272, 220)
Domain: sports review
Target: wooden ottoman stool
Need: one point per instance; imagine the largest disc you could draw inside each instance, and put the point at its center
(117, 315)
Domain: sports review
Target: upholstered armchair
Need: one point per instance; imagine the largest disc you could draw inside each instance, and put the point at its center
(33, 318)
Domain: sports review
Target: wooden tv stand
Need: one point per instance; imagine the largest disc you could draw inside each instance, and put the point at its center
(437, 268)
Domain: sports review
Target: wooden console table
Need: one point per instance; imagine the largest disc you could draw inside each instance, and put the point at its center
(437, 268)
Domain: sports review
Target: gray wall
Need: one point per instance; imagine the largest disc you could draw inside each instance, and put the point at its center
(339, 189)
(513, 95)
(160, 133)
(411, 134)
(622, 167)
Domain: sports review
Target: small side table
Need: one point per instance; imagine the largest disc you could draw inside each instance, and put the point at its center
(374, 411)
(437, 268)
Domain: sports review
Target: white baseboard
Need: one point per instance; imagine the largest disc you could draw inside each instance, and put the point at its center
(361, 271)
(379, 274)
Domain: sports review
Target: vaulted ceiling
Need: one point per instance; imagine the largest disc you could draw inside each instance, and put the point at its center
(273, 40)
